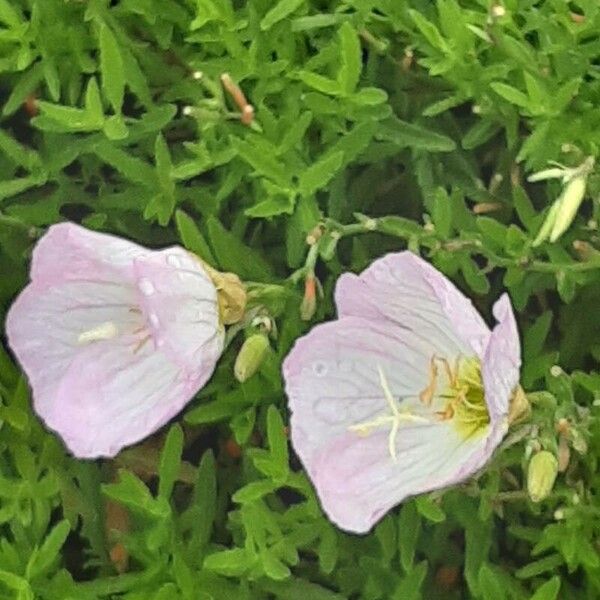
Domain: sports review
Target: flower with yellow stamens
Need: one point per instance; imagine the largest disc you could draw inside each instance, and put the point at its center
(406, 392)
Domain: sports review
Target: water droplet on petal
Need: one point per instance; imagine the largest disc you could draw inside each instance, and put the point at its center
(320, 368)
(154, 319)
(146, 287)
(173, 260)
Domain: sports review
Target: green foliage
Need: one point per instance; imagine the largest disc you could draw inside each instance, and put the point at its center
(393, 125)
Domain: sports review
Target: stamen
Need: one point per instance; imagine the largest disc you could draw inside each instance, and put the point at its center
(104, 331)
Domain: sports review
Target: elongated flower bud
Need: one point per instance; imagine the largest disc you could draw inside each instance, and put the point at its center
(250, 356)
(309, 301)
(570, 202)
(541, 475)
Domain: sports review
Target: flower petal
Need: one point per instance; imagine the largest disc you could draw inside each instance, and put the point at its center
(110, 397)
(332, 378)
(358, 482)
(180, 305)
(69, 251)
(405, 289)
(44, 325)
(502, 360)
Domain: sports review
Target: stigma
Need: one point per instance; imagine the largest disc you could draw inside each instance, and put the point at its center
(104, 331)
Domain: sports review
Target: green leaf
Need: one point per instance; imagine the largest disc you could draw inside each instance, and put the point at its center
(537, 567)
(409, 135)
(278, 443)
(429, 30)
(111, 68)
(369, 96)
(475, 279)
(233, 255)
(548, 590)
(254, 491)
(262, 163)
(231, 563)
(430, 509)
(510, 93)
(131, 167)
(442, 213)
(191, 237)
(409, 530)
(318, 175)
(132, 492)
(490, 586)
(282, 10)
(170, 462)
(351, 57)
(49, 552)
(479, 133)
(328, 550)
(320, 83)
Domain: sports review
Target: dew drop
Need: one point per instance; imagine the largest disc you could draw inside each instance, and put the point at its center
(154, 319)
(173, 260)
(319, 368)
(146, 287)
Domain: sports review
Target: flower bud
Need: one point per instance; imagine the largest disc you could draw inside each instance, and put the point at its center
(250, 356)
(309, 302)
(570, 200)
(541, 475)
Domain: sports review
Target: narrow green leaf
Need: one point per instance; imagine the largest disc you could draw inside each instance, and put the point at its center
(261, 162)
(49, 550)
(254, 490)
(548, 590)
(490, 586)
(231, 563)
(480, 132)
(170, 461)
(111, 68)
(320, 83)
(278, 444)
(233, 255)
(351, 58)
(429, 30)
(510, 93)
(409, 529)
(132, 168)
(283, 9)
(430, 509)
(132, 492)
(537, 567)
(328, 550)
(319, 174)
(410, 135)
(192, 238)
(442, 213)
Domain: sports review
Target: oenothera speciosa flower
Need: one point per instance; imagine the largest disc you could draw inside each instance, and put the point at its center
(115, 338)
(406, 392)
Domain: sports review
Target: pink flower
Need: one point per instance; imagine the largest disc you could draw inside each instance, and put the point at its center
(406, 392)
(115, 338)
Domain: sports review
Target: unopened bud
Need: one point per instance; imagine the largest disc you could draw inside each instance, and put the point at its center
(250, 356)
(309, 302)
(541, 475)
(564, 454)
(570, 201)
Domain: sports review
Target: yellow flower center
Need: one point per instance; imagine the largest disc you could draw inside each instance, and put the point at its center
(464, 398)
(462, 402)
